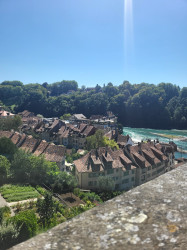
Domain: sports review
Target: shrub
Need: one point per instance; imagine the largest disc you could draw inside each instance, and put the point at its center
(27, 222)
(4, 212)
(9, 234)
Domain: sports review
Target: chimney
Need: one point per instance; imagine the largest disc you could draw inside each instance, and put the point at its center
(106, 153)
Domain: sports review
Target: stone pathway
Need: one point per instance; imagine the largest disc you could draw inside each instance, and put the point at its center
(3, 202)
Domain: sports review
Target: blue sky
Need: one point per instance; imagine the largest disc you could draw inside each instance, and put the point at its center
(84, 40)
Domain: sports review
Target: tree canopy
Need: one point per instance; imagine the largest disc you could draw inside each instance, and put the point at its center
(135, 105)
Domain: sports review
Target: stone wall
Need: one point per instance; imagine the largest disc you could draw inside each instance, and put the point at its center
(151, 216)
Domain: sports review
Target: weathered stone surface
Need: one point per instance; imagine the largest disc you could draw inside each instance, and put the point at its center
(151, 216)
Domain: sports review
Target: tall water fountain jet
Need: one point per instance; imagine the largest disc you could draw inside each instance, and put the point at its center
(128, 31)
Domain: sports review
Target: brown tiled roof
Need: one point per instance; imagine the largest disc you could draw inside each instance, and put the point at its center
(40, 149)
(96, 158)
(139, 157)
(107, 157)
(29, 144)
(16, 138)
(22, 139)
(89, 130)
(7, 134)
(125, 159)
(82, 127)
(54, 153)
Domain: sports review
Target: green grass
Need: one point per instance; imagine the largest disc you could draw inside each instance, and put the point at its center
(18, 193)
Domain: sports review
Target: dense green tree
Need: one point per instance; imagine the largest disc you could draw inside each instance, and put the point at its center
(64, 182)
(7, 146)
(136, 105)
(46, 208)
(26, 223)
(28, 168)
(4, 169)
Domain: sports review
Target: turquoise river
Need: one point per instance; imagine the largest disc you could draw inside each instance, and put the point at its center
(178, 136)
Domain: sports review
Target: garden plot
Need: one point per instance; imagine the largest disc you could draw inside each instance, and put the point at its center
(12, 193)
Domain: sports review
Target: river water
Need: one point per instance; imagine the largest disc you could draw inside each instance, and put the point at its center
(178, 136)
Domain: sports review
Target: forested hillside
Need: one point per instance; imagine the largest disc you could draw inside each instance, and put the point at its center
(136, 105)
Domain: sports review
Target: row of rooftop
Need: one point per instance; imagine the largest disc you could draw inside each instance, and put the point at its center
(50, 151)
(128, 167)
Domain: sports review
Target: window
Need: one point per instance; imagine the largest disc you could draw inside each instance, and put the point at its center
(132, 179)
(117, 170)
(126, 173)
(90, 183)
(133, 171)
(125, 181)
(95, 183)
(149, 168)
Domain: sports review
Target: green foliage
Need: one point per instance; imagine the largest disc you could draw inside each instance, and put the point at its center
(46, 209)
(65, 116)
(28, 168)
(17, 193)
(110, 143)
(10, 123)
(7, 146)
(41, 190)
(27, 222)
(136, 105)
(107, 195)
(74, 156)
(105, 183)
(4, 213)
(99, 140)
(9, 234)
(64, 182)
(69, 213)
(87, 196)
(4, 169)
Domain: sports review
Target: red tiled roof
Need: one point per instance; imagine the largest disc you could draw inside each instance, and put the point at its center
(7, 134)
(54, 153)
(40, 149)
(16, 138)
(29, 144)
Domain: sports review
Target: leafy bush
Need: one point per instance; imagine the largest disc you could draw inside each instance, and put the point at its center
(87, 196)
(41, 190)
(27, 222)
(9, 234)
(4, 212)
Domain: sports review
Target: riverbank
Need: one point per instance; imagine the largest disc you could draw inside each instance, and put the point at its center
(177, 136)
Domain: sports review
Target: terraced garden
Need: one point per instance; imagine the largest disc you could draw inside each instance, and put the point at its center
(13, 193)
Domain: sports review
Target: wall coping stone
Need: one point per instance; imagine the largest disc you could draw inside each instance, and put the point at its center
(150, 216)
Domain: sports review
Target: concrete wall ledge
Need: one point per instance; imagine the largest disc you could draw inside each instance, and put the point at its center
(151, 216)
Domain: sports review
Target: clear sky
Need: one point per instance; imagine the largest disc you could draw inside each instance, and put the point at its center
(86, 41)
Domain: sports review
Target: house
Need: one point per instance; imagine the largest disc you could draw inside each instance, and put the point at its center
(48, 130)
(26, 114)
(77, 118)
(5, 114)
(105, 162)
(29, 144)
(128, 167)
(54, 153)
(41, 148)
(74, 136)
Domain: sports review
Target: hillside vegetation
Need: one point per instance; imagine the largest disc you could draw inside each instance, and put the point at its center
(136, 105)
